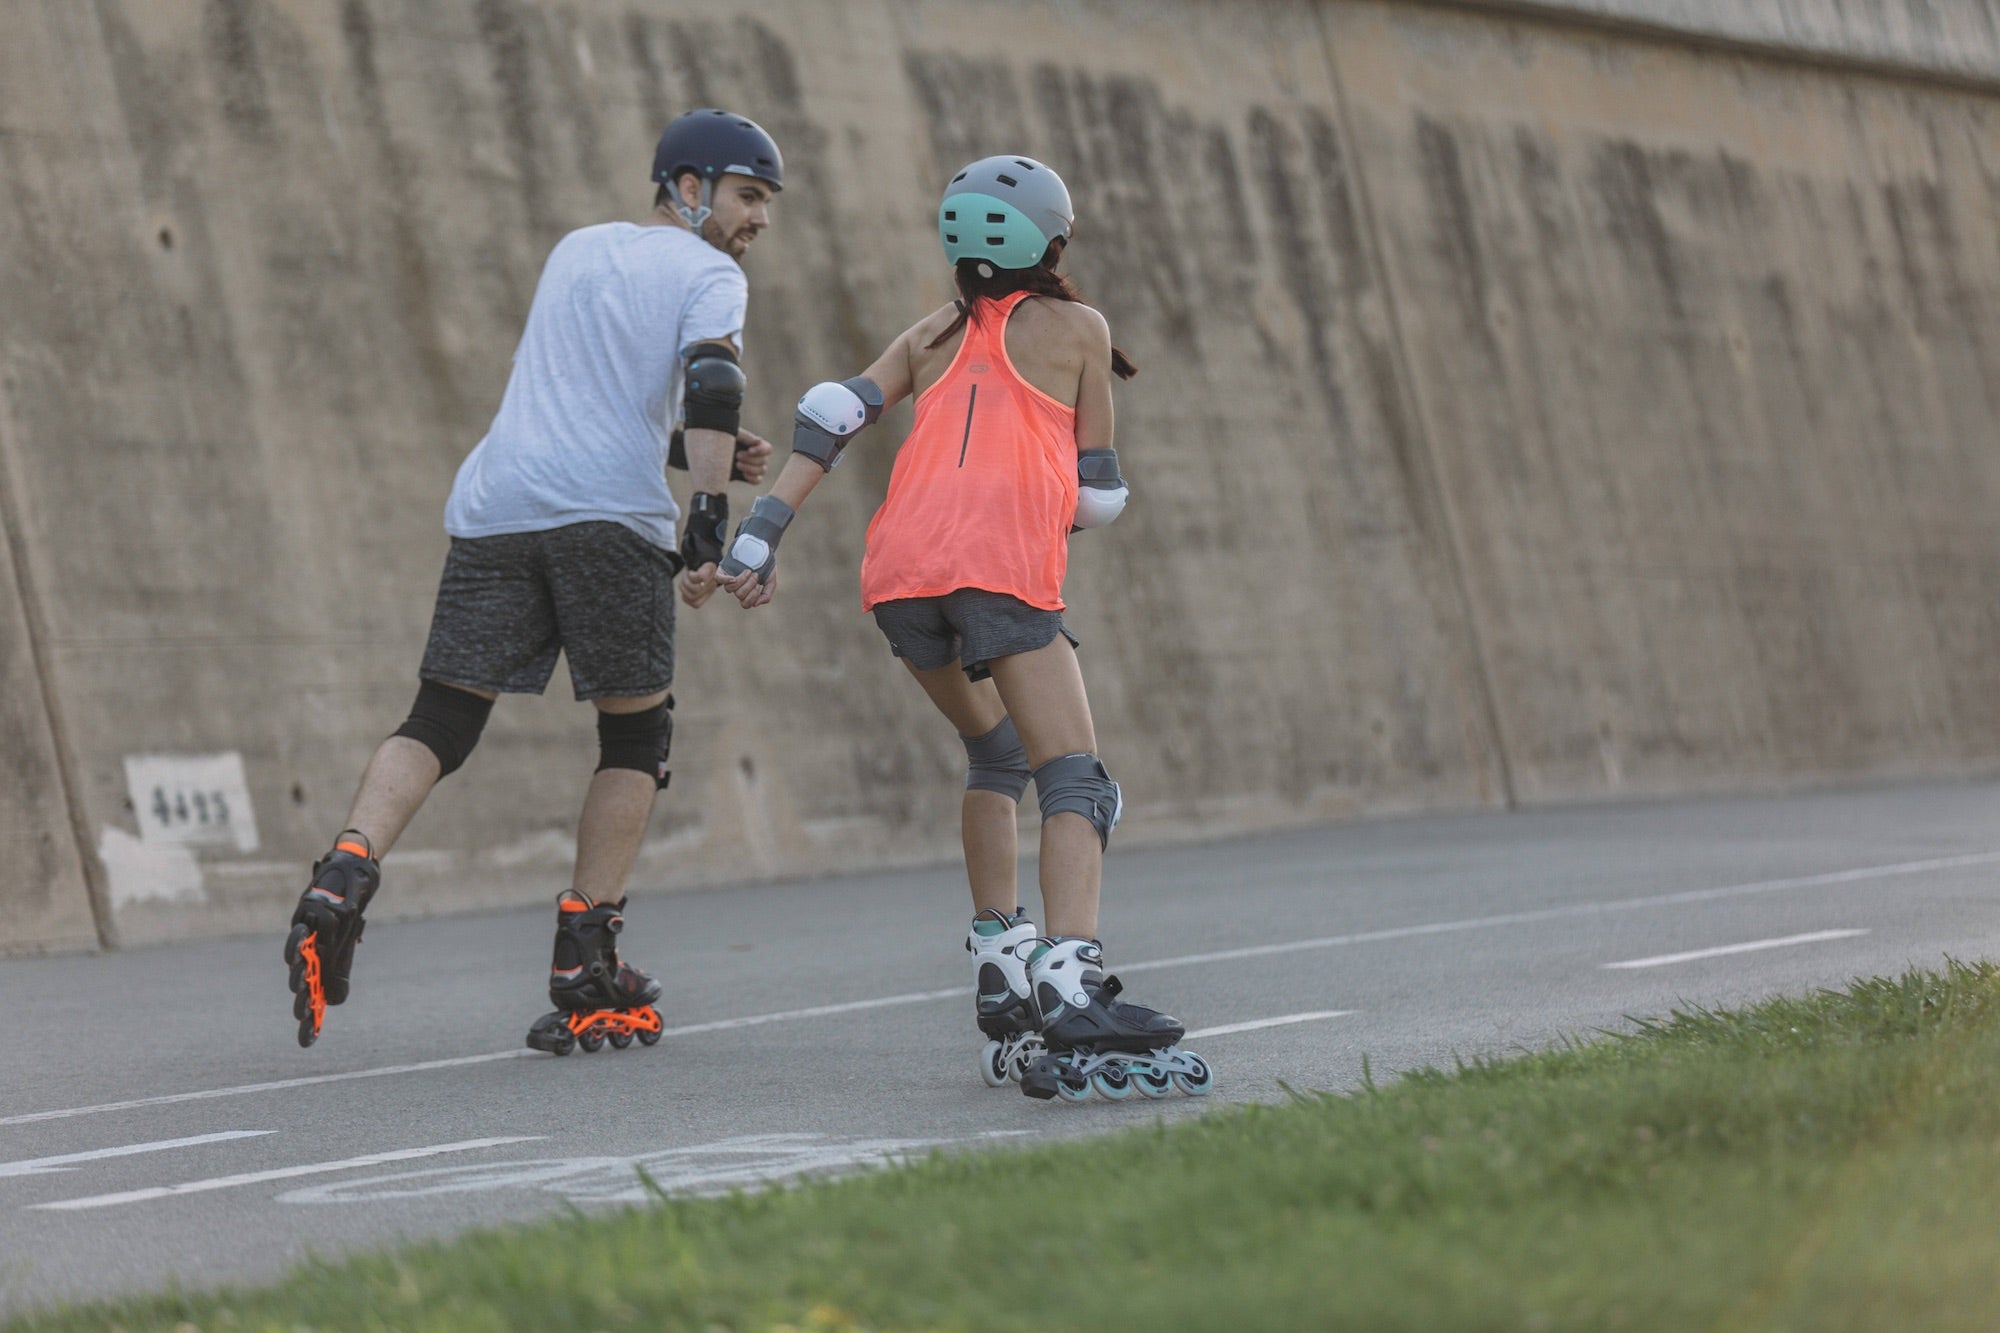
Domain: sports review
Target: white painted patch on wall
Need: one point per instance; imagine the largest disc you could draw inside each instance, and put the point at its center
(194, 800)
(138, 871)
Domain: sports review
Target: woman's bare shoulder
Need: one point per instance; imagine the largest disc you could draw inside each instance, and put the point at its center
(1077, 328)
(931, 325)
(1083, 322)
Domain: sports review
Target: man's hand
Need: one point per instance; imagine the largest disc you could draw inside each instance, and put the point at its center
(698, 585)
(746, 589)
(753, 457)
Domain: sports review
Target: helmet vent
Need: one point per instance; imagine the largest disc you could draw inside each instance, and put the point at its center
(996, 240)
(959, 177)
(1006, 180)
(996, 217)
(1023, 162)
(951, 236)
(951, 215)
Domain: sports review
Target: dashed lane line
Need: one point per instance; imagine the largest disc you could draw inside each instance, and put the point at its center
(279, 1173)
(69, 1161)
(1283, 1020)
(1753, 946)
(1570, 910)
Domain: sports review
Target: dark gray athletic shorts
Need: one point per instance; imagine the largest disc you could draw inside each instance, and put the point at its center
(971, 625)
(597, 592)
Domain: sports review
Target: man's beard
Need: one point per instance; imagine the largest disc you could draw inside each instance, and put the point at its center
(711, 231)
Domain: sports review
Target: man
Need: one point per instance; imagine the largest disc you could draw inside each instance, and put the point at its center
(562, 534)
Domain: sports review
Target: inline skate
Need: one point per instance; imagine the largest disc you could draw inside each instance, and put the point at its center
(999, 945)
(597, 997)
(326, 926)
(1098, 1042)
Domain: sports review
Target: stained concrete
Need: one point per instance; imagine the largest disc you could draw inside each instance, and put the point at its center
(1951, 39)
(1528, 411)
(1707, 351)
(45, 904)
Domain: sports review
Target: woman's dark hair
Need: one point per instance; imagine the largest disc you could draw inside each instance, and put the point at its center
(1042, 280)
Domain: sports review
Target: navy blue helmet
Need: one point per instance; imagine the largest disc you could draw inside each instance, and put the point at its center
(710, 142)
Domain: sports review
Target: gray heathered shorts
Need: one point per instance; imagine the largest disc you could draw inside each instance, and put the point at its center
(971, 625)
(597, 592)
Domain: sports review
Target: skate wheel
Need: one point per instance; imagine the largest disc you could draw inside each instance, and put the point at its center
(591, 1041)
(621, 1040)
(994, 1066)
(1073, 1092)
(1152, 1083)
(648, 1037)
(1197, 1081)
(308, 1034)
(1112, 1083)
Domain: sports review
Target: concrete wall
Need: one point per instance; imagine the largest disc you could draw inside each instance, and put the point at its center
(1529, 411)
(1948, 39)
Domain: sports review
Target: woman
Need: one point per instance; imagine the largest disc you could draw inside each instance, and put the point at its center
(963, 572)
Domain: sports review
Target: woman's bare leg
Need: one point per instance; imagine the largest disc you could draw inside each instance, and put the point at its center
(986, 818)
(1043, 692)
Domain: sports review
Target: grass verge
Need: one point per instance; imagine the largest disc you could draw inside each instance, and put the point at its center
(1829, 1162)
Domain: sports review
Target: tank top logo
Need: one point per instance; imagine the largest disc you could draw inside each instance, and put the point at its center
(979, 368)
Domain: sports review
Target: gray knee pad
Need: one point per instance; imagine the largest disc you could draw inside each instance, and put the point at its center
(447, 722)
(639, 741)
(1078, 784)
(996, 762)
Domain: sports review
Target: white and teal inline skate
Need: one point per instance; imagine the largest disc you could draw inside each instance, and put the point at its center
(999, 945)
(1097, 1042)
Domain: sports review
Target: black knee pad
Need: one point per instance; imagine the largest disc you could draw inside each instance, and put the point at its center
(639, 741)
(996, 761)
(1078, 784)
(446, 721)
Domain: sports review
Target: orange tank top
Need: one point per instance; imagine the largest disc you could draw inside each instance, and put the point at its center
(984, 487)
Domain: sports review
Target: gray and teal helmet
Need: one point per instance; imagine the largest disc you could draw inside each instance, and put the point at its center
(1005, 210)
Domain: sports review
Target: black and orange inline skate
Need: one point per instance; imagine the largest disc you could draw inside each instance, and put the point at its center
(597, 997)
(326, 925)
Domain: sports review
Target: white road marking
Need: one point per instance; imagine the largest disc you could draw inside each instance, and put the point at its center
(743, 1162)
(36, 1166)
(1892, 871)
(1282, 1020)
(1574, 910)
(817, 1011)
(275, 1085)
(280, 1173)
(1753, 946)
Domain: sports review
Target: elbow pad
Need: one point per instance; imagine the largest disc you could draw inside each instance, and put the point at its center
(715, 384)
(1100, 492)
(831, 414)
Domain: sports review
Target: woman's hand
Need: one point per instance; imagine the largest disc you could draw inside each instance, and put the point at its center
(746, 589)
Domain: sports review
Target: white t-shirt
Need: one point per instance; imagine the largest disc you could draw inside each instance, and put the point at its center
(582, 431)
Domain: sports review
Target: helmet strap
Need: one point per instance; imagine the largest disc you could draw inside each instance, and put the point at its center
(694, 217)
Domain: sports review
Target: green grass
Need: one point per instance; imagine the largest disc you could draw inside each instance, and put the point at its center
(1830, 1162)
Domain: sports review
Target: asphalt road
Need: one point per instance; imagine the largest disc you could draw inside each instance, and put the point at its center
(158, 1122)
